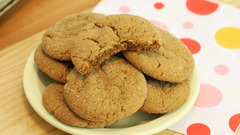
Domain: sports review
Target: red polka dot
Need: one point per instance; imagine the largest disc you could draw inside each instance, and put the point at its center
(234, 122)
(198, 129)
(201, 7)
(209, 96)
(158, 5)
(192, 45)
(221, 69)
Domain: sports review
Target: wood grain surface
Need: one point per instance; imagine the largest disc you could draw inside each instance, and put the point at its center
(28, 17)
(28, 20)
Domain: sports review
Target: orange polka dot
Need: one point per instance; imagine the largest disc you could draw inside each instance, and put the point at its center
(158, 5)
(234, 122)
(228, 37)
(201, 7)
(192, 45)
(198, 129)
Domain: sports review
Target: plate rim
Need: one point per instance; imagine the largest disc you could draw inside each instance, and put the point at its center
(138, 129)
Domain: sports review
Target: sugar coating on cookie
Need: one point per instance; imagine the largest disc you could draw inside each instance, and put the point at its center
(110, 92)
(59, 38)
(163, 97)
(55, 69)
(111, 34)
(173, 62)
(53, 101)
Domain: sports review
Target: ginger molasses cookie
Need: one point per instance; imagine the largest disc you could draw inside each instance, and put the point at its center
(59, 38)
(55, 69)
(111, 34)
(53, 101)
(110, 92)
(173, 62)
(163, 97)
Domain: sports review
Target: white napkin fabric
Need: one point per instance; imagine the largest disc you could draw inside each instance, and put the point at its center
(212, 33)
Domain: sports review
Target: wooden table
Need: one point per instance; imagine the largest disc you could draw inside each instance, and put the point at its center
(27, 20)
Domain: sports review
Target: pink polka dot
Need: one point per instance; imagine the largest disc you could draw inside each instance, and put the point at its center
(187, 25)
(234, 122)
(192, 45)
(198, 129)
(209, 96)
(158, 5)
(159, 25)
(124, 9)
(221, 69)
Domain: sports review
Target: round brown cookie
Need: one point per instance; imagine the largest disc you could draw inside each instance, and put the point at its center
(163, 97)
(173, 62)
(109, 35)
(110, 92)
(59, 38)
(55, 69)
(53, 101)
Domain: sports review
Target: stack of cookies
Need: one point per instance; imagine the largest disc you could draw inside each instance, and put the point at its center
(107, 67)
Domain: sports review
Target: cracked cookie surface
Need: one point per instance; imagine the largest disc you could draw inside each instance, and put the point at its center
(110, 92)
(53, 101)
(173, 62)
(110, 35)
(55, 69)
(59, 38)
(163, 97)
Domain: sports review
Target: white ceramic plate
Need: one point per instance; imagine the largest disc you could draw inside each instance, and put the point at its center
(35, 81)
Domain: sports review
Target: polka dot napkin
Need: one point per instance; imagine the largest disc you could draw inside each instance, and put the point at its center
(211, 31)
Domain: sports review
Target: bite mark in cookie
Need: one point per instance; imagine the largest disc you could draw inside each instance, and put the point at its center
(110, 35)
(173, 62)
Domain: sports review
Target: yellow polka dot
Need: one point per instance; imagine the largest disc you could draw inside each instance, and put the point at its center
(228, 37)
